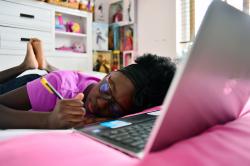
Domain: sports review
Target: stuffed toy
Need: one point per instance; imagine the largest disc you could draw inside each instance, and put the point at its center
(73, 27)
(78, 47)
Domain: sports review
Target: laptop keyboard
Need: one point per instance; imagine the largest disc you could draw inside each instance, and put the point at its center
(134, 135)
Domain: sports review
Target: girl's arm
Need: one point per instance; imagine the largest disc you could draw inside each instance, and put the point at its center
(16, 119)
(16, 99)
(14, 112)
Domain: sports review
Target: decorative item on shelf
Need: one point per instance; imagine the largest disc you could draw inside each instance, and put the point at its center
(87, 5)
(102, 61)
(64, 48)
(116, 60)
(127, 58)
(59, 24)
(128, 41)
(116, 12)
(74, 4)
(116, 36)
(78, 47)
(117, 17)
(128, 11)
(110, 38)
(73, 27)
(122, 37)
(101, 11)
(100, 36)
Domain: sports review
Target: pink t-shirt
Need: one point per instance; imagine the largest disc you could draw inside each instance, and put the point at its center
(67, 83)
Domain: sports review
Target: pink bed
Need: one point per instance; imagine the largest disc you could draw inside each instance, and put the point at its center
(220, 145)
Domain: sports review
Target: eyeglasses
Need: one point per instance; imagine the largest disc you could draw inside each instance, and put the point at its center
(115, 110)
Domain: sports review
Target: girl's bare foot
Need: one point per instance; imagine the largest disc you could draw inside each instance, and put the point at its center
(43, 64)
(38, 50)
(30, 61)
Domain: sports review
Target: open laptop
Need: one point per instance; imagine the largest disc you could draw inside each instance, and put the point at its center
(211, 87)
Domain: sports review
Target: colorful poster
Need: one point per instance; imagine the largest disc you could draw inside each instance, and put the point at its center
(102, 61)
(100, 36)
(101, 11)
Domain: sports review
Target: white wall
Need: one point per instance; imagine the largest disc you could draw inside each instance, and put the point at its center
(156, 27)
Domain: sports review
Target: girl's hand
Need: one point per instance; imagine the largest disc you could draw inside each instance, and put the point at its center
(67, 113)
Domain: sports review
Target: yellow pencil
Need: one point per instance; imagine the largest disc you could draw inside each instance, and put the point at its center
(50, 88)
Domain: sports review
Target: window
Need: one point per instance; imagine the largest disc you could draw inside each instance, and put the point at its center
(189, 17)
(236, 3)
(185, 25)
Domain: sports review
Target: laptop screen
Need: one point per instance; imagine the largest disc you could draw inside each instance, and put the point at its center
(212, 85)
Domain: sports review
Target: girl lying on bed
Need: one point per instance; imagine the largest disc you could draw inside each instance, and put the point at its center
(87, 99)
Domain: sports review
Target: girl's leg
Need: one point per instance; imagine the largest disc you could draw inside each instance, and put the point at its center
(43, 64)
(29, 62)
(17, 82)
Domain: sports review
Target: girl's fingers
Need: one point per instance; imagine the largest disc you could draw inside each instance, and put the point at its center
(74, 110)
(71, 102)
(74, 118)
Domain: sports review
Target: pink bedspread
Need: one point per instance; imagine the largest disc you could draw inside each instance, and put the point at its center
(221, 145)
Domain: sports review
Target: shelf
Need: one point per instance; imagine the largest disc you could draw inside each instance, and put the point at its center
(128, 51)
(122, 23)
(69, 54)
(70, 34)
(72, 12)
(114, 1)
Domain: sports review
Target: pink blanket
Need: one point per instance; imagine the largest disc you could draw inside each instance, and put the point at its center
(221, 145)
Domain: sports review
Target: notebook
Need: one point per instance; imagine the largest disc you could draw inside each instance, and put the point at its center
(210, 87)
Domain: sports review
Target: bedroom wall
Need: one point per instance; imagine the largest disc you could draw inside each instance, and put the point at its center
(156, 27)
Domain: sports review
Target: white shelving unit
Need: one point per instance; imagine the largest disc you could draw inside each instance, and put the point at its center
(22, 20)
(64, 39)
(128, 24)
(70, 34)
(122, 23)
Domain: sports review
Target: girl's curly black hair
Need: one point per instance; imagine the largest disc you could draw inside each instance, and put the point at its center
(152, 76)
